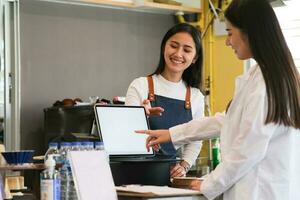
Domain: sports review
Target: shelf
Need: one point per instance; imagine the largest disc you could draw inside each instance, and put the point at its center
(169, 8)
(111, 3)
(136, 5)
(22, 167)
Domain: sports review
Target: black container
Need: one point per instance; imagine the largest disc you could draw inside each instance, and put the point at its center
(144, 172)
(61, 121)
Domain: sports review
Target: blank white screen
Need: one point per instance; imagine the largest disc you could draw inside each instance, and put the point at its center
(117, 126)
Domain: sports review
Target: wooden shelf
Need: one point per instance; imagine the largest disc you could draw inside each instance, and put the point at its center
(131, 5)
(22, 167)
(103, 3)
(169, 8)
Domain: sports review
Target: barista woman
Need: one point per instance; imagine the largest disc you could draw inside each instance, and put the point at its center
(260, 133)
(174, 88)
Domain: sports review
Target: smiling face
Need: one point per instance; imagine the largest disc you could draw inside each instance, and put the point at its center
(238, 42)
(179, 53)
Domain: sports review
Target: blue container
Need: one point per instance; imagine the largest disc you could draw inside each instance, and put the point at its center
(18, 157)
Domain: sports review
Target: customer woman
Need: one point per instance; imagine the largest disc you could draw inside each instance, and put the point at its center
(260, 133)
(174, 89)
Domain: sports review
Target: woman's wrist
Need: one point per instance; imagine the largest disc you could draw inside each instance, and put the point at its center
(185, 165)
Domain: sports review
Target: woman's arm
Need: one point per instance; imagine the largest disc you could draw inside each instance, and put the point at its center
(191, 150)
(204, 128)
(136, 93)
(198, 129)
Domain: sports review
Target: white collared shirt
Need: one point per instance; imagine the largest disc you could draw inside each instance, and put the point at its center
(259, 161)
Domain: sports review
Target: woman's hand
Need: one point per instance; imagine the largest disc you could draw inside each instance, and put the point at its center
(177, 171)
(192, 184)
(195, 185)
(180, 169)
(155, 147)
(155, 111)
(156, 137)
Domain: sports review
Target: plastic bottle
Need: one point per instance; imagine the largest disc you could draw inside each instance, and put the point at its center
(52, 150)
(67, 190)
(71, 191)
(216, 153)
(50, 181)
(90, 146)
(75, 146)
(64, 147)
(99, 146)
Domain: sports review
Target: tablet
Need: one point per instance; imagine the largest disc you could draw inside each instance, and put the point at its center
(116, 125)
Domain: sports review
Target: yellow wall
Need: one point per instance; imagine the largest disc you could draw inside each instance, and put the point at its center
(225, 67)
(220, 63)
(221, 67)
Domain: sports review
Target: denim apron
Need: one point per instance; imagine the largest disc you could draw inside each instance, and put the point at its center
(175, 112)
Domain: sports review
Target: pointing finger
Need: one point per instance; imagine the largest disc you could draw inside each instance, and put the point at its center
(147, 132)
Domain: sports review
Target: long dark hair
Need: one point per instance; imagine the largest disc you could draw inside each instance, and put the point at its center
(257, 20)
(192, 76)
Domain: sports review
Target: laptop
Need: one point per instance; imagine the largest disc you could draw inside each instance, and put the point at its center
(127, 150)
(116, 126)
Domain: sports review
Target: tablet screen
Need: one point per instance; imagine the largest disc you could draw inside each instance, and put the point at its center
(116, 125)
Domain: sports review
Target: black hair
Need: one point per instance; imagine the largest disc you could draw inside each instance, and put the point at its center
(257, 20)
(192, 76)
